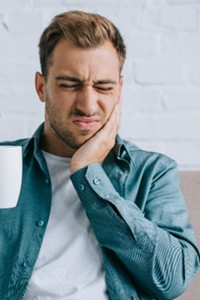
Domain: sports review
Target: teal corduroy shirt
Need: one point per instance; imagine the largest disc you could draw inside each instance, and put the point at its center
(137, 213)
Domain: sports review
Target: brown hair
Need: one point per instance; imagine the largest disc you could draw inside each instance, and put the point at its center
(85, 30)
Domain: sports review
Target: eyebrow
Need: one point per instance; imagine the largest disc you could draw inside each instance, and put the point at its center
(106, 81)
(76, 79)
(68, 78)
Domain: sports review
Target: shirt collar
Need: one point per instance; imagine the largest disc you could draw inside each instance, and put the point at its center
(32, 147)
(33, 144)
(121, 150)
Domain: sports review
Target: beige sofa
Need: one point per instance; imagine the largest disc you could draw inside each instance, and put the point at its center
(190, 185)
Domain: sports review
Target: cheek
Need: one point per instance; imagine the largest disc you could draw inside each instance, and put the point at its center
(111, 102)
(109, 108)
(60, 102)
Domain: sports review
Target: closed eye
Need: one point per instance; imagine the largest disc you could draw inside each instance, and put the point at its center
(104, 88)
(107, 88)
(69, 86)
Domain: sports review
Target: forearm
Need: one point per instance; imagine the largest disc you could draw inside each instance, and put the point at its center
(156, 259)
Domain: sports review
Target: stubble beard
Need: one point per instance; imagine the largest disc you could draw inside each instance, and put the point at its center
(63, 133)
(68, 137)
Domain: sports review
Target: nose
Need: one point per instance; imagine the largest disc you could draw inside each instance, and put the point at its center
(87, 100)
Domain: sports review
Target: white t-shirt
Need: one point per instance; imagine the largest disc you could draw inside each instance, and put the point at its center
(69, 265)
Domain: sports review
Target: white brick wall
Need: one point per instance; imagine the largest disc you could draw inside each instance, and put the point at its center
(161, 108)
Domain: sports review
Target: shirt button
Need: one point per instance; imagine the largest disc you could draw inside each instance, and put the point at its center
(47, 181)
(81, 187)
(40, 223)
(96, 181)
(25, 264)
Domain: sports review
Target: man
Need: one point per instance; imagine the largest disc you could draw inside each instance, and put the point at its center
(97, 217)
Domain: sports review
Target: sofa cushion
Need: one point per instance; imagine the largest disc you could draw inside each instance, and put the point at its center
(190, 186)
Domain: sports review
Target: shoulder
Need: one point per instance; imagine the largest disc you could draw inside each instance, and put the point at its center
(145, 158)
(19, 142)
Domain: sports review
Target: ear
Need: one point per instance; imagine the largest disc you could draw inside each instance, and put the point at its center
(121, 81)
(40, 86)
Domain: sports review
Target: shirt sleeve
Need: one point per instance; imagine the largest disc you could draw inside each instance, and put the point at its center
(157, 244)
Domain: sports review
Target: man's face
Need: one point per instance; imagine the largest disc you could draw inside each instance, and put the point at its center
(80, 92)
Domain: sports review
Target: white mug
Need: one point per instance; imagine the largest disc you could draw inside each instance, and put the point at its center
(10, 175)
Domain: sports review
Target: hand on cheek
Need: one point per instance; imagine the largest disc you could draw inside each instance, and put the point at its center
(97, 147)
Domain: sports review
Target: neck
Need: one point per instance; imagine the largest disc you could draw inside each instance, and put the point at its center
(55, 146)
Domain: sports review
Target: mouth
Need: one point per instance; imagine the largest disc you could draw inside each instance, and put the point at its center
(86, 124)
